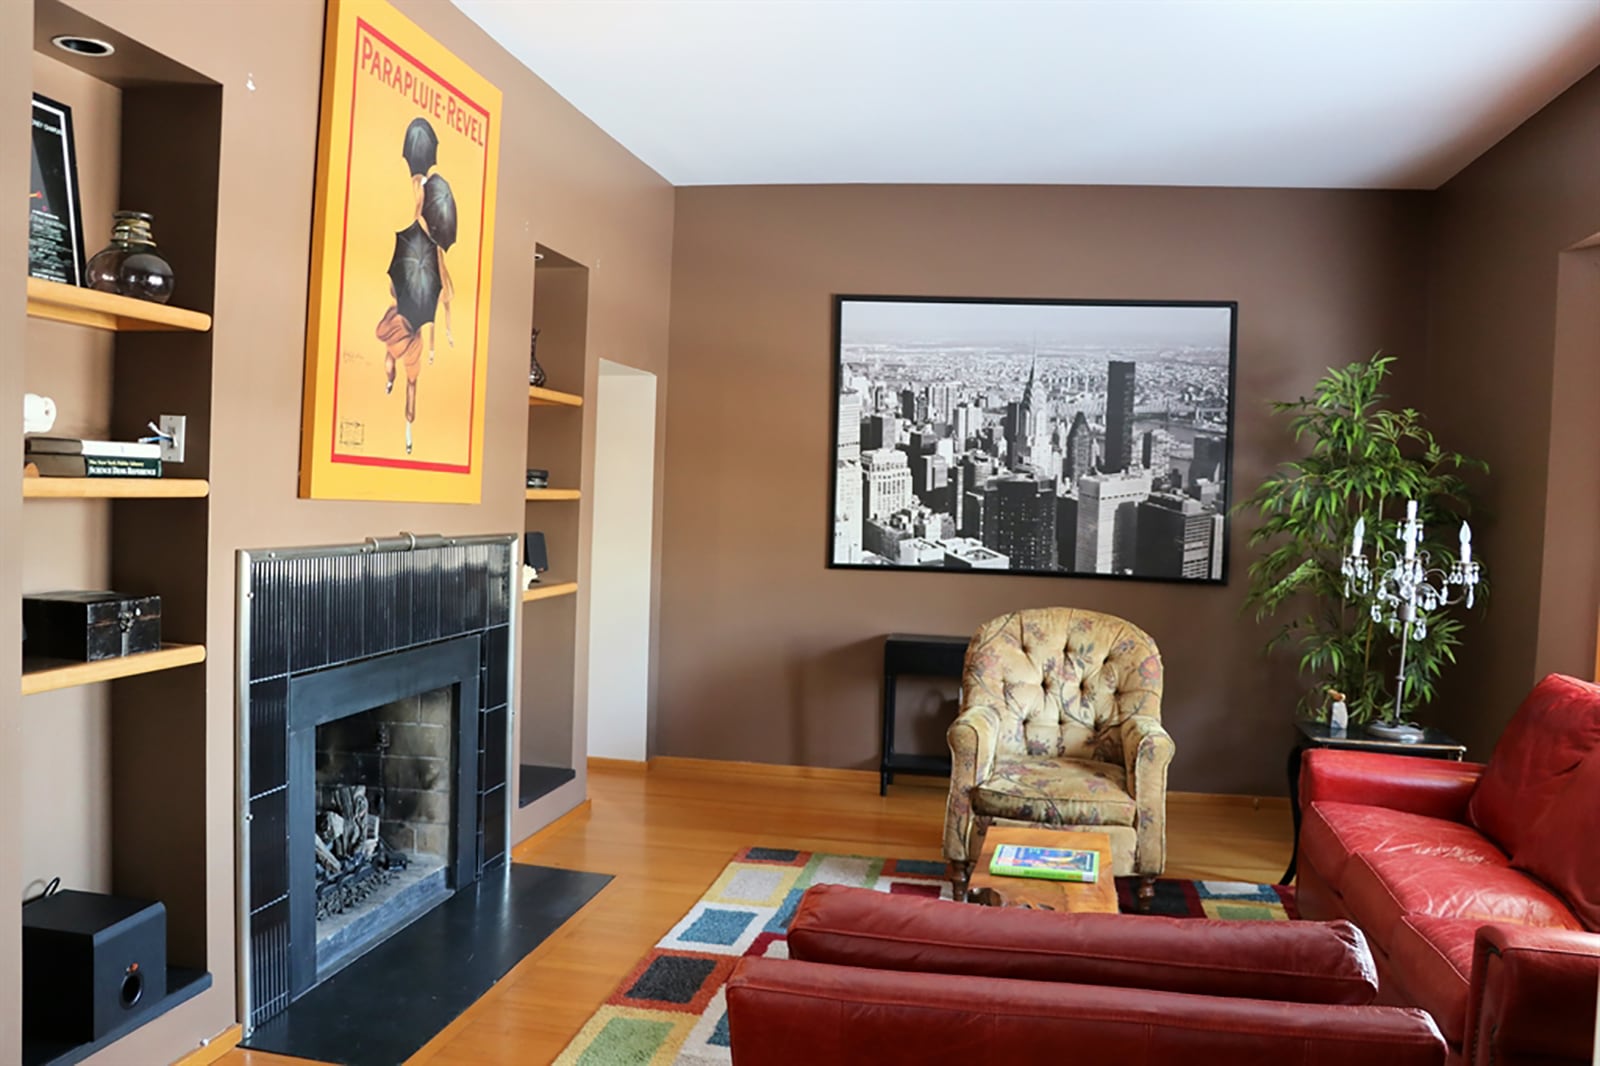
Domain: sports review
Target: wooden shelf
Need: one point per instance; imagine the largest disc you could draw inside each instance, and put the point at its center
(554, 494)
(71, 675)
(545, 591)
(538, 397)
(104, 310)
(114, 488)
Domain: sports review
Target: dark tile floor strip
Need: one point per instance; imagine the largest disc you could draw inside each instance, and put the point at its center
(384, 1007)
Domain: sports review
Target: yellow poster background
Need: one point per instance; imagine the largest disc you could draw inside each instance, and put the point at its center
(380, 73)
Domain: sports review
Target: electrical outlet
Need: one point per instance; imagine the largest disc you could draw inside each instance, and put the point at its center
(176, 427)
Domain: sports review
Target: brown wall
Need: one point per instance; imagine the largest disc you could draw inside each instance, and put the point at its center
(562, 183)
(767, 655)
(1514, 376)
(16, 76)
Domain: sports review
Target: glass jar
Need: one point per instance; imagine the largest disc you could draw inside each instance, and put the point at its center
(130, 264)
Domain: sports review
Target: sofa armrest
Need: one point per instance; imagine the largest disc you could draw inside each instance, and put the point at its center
(1147, 751)
(974, 738)
(1533, 996)
(1437, 788)
(1302, 962)
(781, 1011)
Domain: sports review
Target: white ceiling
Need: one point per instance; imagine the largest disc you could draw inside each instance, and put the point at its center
(1288, 93)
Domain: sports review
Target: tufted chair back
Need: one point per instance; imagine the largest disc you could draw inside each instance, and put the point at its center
(1063, 681)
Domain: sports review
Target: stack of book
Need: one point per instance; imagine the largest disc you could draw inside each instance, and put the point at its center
(71, 457)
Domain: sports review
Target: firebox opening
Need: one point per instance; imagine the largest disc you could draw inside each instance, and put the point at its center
(384, 808)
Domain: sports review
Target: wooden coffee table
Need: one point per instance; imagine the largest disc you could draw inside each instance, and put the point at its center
(1098, 898)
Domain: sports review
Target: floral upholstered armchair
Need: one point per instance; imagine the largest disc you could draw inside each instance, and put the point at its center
(1060, 726)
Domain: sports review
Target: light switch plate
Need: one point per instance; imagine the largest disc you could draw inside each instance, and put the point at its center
(175, 427)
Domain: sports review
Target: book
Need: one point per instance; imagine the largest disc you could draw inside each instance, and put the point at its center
(1052, 864)
(94, 466)
(110, 449)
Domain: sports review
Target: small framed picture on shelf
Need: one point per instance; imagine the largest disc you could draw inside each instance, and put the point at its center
(55, 220)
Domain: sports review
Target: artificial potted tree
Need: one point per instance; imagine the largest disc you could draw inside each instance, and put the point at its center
(1364, 461)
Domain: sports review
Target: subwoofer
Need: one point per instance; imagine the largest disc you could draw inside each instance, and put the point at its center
(89, 963)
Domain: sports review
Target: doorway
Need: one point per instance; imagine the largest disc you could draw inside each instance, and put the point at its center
(619, 584)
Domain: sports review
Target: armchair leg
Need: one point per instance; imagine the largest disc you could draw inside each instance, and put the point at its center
(1147, 892)
(960, 876)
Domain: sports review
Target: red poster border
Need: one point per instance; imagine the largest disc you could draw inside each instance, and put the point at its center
(344, 237)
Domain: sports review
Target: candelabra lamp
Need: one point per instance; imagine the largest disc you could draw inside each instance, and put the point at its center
(1401, 591)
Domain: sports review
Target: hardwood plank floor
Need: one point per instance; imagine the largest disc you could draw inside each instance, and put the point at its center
(666, 834)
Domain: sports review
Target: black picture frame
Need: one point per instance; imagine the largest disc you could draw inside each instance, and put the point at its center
(908, 363)
(55, 215)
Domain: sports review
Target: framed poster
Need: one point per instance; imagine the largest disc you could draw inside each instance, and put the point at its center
(401, 263)
(1068, 438)
(55, 221)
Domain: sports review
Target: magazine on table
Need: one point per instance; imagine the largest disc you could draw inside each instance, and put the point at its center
(1053, 864)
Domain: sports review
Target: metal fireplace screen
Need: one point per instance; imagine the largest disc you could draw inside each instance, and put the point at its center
(304, 611)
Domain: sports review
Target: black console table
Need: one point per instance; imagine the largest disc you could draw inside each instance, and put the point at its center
(1432, 745)
(922, 656)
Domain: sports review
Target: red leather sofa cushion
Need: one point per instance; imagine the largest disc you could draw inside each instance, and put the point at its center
(1564, 849)
(1437, 788)
(1302, 962)
(782, 1011)
(1432, 958)
(1557, 725)
(1379, 889)
(1331, 832)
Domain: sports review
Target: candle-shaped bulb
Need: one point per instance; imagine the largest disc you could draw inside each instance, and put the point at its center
(1411, 510)
(1408, 532)
(1360, 532)
(1466, 543)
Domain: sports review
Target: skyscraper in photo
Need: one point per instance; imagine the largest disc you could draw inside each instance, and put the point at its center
(1173, 537)
(847, 512)
(1080, 450)
(1119, 416)
(1107, 515)
(886, 482)
(849, 425)
(1020, 521)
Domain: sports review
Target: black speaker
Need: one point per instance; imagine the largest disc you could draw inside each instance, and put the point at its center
(89, 963)
(533, 552)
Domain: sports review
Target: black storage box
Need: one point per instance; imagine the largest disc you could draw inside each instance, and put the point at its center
(89, 963)
(86, 626)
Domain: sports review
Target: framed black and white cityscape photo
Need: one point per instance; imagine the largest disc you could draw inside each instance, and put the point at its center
(1055, 437)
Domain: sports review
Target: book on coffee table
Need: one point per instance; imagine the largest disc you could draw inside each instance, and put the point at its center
(1051, 864)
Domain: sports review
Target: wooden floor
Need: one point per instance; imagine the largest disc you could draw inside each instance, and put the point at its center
(666, 834)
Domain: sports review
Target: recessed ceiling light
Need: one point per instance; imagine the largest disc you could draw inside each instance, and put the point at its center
(83, 46)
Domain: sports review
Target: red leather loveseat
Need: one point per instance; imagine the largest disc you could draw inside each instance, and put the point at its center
(874, 978)
(1478, 886)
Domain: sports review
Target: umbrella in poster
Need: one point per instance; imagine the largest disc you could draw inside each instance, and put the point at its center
(421, 147)
(439, 211)
(414, 270)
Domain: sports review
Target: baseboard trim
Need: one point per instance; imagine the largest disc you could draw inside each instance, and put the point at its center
(620, 766)
(683, 766)
(214, 1048)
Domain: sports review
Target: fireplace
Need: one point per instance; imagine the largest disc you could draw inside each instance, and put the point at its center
(374, 736)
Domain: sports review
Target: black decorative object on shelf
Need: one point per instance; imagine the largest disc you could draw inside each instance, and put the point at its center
(130, 264)
(55, 221)
(536, 376)
(86, 627)
(90, 962)
(537, 478)
(535, 560)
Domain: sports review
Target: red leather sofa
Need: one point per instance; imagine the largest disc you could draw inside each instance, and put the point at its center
(874, 978)
(1478, 886)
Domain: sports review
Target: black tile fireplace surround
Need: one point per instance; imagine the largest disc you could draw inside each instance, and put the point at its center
(326, 633)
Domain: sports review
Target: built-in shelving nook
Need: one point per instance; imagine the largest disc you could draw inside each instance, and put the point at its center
(550, 610)
(112, 754)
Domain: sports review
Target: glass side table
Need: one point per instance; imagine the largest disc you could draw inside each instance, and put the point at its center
(1433, 744)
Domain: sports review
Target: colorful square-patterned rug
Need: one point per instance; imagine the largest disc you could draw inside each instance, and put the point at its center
(670, 1009)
